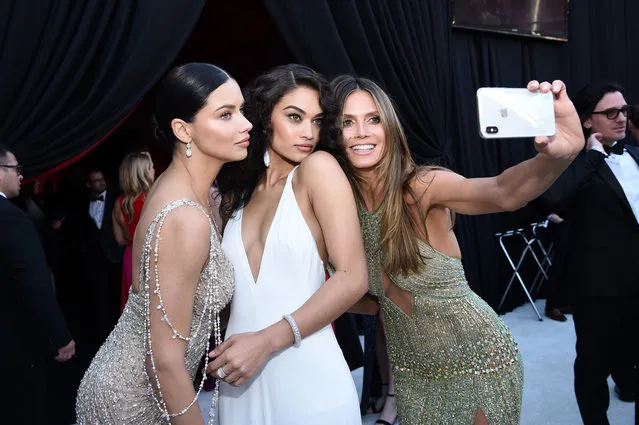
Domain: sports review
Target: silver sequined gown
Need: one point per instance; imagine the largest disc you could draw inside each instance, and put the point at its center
(115, 388)
(453, 355)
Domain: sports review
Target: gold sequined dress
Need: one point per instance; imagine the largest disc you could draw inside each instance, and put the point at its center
(116, 388)
(453, 355)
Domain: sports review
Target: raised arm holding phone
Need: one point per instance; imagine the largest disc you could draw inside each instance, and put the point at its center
(454, 360)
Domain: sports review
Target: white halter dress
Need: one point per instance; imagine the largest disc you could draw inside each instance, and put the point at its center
(309, 385)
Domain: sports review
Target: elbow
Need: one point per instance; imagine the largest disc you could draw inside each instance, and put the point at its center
(513, 204)
(502, 197)
(361, 288)
(508, 199)
(120, 236)
(354, 282)
(168, 368)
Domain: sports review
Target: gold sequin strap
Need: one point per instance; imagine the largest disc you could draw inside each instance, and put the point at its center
(151, 249)
(369, 222)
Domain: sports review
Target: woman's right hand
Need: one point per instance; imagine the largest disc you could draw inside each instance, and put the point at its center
(242, 355)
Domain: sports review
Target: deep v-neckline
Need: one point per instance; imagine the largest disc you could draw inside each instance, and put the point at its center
(254, 279)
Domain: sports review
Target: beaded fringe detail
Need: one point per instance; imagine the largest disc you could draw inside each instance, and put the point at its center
(117, 388)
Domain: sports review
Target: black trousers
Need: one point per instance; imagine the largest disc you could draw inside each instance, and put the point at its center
(103, 280)
(348, 340)
(23, 393)
(607, 331)
(556, 287)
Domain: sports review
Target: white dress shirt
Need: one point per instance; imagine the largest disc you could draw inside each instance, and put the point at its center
(626, 170)
(96, 210)
(3, 195)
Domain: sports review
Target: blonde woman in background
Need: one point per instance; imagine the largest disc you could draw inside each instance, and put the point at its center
(136, 178)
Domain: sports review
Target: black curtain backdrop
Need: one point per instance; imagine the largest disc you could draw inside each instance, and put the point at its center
(432, 71)
(71, 70)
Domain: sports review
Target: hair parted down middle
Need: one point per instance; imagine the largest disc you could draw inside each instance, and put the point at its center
(237, 180)
(396, 172)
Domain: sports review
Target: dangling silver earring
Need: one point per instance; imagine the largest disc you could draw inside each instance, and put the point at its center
(267, 158)
(188, 150)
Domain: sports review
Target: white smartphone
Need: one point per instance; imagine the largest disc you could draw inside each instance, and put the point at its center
(509, 112)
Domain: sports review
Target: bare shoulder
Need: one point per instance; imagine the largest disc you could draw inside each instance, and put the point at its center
(320, 171)
(189, 221)
(423, 178)
(186, 229)
(317, 164)
(426, 175)
(426, 179)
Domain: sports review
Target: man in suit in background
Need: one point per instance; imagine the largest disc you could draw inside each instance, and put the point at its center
(633, 122)
(101, 259)
(33, 327)
(600, 192)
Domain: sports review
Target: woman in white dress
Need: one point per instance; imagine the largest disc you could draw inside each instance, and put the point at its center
(289, 211)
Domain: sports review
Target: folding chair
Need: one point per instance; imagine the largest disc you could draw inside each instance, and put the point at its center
(547, 254)
(528, 247)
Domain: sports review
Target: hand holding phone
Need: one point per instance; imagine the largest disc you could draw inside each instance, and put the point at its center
(568, 138)
(513, 112)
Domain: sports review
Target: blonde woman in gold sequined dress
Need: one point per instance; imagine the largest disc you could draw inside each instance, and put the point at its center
(144, 372)
(454, 360)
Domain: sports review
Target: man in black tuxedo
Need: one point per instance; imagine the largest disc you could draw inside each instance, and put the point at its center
(633, 122)
(600, 192)
(101, 256)
(33, 327)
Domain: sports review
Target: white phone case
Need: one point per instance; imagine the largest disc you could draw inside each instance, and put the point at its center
(510, 112)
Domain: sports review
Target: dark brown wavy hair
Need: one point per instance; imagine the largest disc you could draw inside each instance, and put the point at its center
(236, 181)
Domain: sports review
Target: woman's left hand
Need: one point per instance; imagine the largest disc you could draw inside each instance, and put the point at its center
(568, 140)
(240, 356)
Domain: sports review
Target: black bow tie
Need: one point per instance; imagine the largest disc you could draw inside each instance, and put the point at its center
(97, 198)
(616, 149)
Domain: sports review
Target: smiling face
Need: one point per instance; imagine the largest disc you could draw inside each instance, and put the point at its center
(611, 129)
(295, 122)
(363, 133)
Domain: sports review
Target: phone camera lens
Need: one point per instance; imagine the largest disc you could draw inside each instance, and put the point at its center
(492, 130)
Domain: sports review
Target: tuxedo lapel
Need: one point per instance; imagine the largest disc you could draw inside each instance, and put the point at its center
(609, 177)
(87, 212)
(108, 208)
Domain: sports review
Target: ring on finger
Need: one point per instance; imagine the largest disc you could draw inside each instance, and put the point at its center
(221, 373)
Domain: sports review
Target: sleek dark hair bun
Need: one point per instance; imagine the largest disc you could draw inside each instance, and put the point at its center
(181, 94)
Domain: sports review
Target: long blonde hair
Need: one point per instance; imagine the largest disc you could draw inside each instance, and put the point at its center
(135, 178)
(396, 172)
